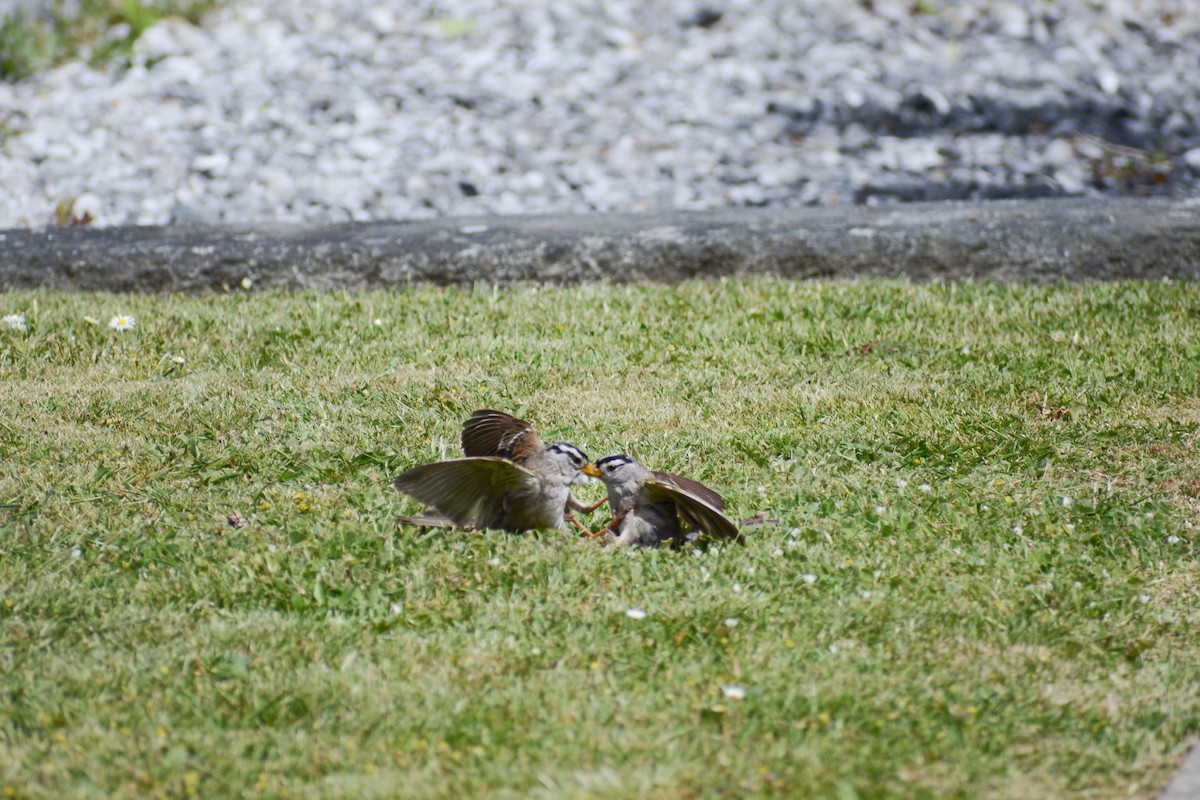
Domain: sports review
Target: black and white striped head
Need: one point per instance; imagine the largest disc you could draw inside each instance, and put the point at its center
(618, 469)
(567, 461)
(620, 473)
(570, 452)
(610, 465)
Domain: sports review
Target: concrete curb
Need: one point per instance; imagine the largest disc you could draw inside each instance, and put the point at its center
(1186, 783)
(1041, 241)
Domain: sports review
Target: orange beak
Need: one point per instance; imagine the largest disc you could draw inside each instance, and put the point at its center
(591, 469)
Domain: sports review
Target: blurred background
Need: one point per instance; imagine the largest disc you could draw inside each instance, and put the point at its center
(116, 112)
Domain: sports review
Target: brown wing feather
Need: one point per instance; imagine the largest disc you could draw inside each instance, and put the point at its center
(468, 491)
(497, 433)
(695, 509)
(695, 487)
(427, 521)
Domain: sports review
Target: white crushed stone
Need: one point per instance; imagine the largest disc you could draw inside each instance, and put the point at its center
(332, 110)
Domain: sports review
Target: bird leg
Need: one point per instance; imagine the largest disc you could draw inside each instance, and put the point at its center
(614, 525)
(575, 504)
(569, 517)
(594, 506)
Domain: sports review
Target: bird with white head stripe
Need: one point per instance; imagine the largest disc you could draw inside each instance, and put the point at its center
(508, 479)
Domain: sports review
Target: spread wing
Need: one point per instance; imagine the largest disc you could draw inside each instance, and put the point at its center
(694, 487)
(426, 521)
(696, 508)
(498, 433)
(468, 491)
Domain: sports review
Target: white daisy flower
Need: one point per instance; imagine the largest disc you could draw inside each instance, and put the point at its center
(377, 322)
(121, 322)
(90, 320)
(1067, 500)
(15, 322)
(635, 613)
(734, 691)
(731, 622)
(925, 487)
(809, 578)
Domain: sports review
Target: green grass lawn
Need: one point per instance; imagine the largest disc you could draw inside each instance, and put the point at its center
(984, 582)
(102, 30)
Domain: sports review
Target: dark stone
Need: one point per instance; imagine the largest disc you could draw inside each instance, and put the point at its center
(704, 18)
(801, 118)
(1042, 241)
(914, 189)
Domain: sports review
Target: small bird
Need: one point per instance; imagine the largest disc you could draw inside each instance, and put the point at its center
(508, 479)
(648, 506)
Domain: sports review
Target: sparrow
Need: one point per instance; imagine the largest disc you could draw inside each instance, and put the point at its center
(652, 507)
(507, 480)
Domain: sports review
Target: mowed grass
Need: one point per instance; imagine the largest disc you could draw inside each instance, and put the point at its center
(983, 582)
(102, 31)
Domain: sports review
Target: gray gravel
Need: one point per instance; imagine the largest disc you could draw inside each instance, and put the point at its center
(340, 110)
